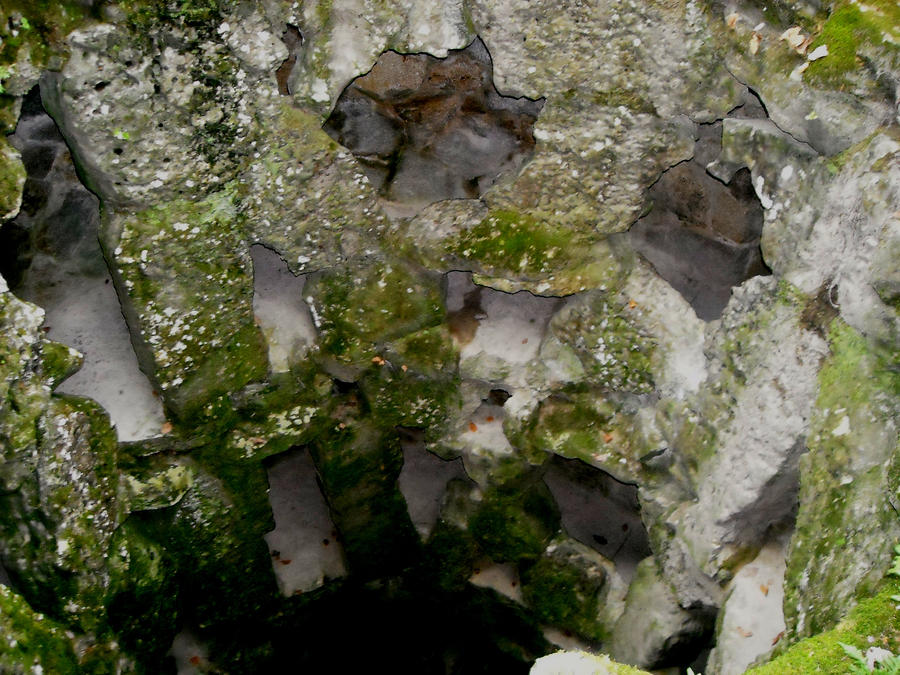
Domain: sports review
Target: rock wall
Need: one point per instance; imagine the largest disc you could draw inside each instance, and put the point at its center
(591, 324)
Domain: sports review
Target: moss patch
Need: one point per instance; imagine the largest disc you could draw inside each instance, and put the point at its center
(875, 621)
(360, 310)
(845, 524)
(508, 240)
(515, 521)
(846, 31)
(565, 595)
(31, 640)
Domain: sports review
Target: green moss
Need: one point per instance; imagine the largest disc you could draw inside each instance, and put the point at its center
(12, 180)
(515, 521)
(561, 594)
(846, 472)
(360, 310)
(450, 556)
(359, 465)
(875, 621)
(222, 565)
(142, 600)
(847, 29)
(59, 362)
(31, 639)
(583, 423)
(403, 398)
(186, 270)
(509, 240)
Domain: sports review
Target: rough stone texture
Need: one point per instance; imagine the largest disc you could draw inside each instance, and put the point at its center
(752, 619)
(199, 127)
(653, 628)
(427, 129)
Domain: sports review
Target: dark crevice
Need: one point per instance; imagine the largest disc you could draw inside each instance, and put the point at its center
(52, 256)
(427, 129)
(600, 511)
(293, 40)
(702, 235)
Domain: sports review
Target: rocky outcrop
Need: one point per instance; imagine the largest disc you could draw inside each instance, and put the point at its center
(568, 301)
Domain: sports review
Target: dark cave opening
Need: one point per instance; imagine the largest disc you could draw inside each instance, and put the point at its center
(427, 129)
(703, 236)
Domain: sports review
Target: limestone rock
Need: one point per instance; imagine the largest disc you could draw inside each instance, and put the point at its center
(654, 628)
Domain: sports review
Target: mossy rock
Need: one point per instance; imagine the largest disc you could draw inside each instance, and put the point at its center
(31, 641)
(515, 521)
(449, 556)
(360, 310)
(214, 536)
(586, 423)
(613, 348)
(565, 590)
(835, 551)
(142, 603)
(875, 621)
(59, 362)
(185, 268)
(358, 465)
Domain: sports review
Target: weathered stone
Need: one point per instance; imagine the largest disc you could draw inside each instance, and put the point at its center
(654, 631)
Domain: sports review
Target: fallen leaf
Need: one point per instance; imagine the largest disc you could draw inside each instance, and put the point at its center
(744, 633)
(525, 341)
(765, 589)
(793, 36)
(732, 19)
(607, 438)
(473, 426)
(778, 637)
(166, 428)
(755, 39)
(404, 368)
(632, 304)
(489, 418)
(285, 561)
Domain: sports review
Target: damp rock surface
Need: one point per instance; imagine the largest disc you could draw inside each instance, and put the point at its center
(428, 129)
(304, 547)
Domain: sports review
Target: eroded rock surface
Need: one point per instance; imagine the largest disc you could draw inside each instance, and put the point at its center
(428, 129)
(506, 322)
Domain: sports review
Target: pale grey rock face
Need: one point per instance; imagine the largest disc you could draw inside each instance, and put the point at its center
(201, 142)
(653, 626)
(752, 620)
(749, 484)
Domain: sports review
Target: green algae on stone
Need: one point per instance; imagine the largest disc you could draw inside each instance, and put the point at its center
(565, 588)
(31, 641)
(846, 523)
(515, 521)
(360, 310)
(186, 271)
